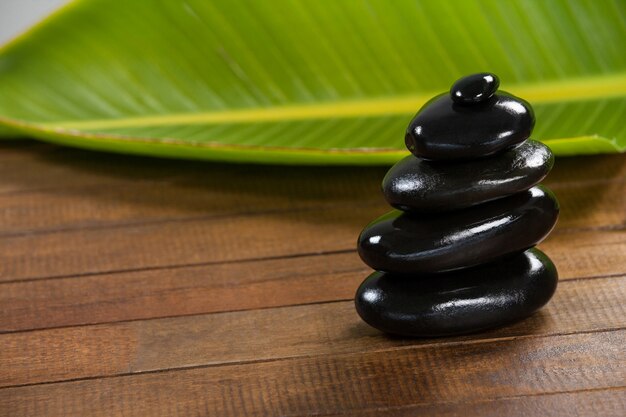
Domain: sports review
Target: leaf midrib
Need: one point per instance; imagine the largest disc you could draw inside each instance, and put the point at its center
(601, 86)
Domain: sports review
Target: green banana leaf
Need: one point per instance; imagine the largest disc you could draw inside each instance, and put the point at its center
(315, 81)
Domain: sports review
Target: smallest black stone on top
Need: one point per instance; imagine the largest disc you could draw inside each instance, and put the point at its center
(475, 88)
(472, 121)
(457, 255)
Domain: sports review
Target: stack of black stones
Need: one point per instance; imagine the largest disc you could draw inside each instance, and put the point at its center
(458, 255)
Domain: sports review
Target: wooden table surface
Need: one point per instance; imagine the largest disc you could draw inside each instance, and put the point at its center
(141, 287)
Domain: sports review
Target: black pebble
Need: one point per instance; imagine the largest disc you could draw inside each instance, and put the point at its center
(474, 88)
(425, 186)
(409, 243)
(458, 302)
(443, 130)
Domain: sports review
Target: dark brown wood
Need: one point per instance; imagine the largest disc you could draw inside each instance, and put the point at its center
(231, 286)
(268, 334)
(87, 199)
(133, 286)
(229, 238)
(347, 382)
(605, 403)
(27, 166)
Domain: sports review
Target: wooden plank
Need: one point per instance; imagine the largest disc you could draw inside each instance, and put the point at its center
(66, 169)
(605, 403)
(588, 169)
(85, 208)
(222, 192)
(349, 382)
(592, 205)
(33, 165)
(587, 254)
(179, 291)
(31, 153)
(236, 238)
(179, 243)
(141, 346)
(80, 188)
(231, 286)
(210, 192)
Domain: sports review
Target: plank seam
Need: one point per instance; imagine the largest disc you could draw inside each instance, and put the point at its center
(612, 228)
(175, 220)
(301, 357)
(211, 313)
(445, 403)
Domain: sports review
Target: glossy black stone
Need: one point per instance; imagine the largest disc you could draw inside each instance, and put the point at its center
(458, 302)
(425, 186)
(444, 130)
(474, 88)
(409, 243)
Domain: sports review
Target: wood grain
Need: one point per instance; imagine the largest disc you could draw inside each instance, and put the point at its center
(214, 240)
(27, 166)
(339, 383)
(97, 200)
(132, 286)
(605, 403)
(231, 286)
(319, 329)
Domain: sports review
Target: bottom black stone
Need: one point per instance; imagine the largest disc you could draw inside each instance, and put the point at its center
(458, 302)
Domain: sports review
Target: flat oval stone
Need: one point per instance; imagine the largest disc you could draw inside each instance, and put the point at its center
(414, 184)
(409, 243)
(458, 302)
(444, 130)
(474, 88)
